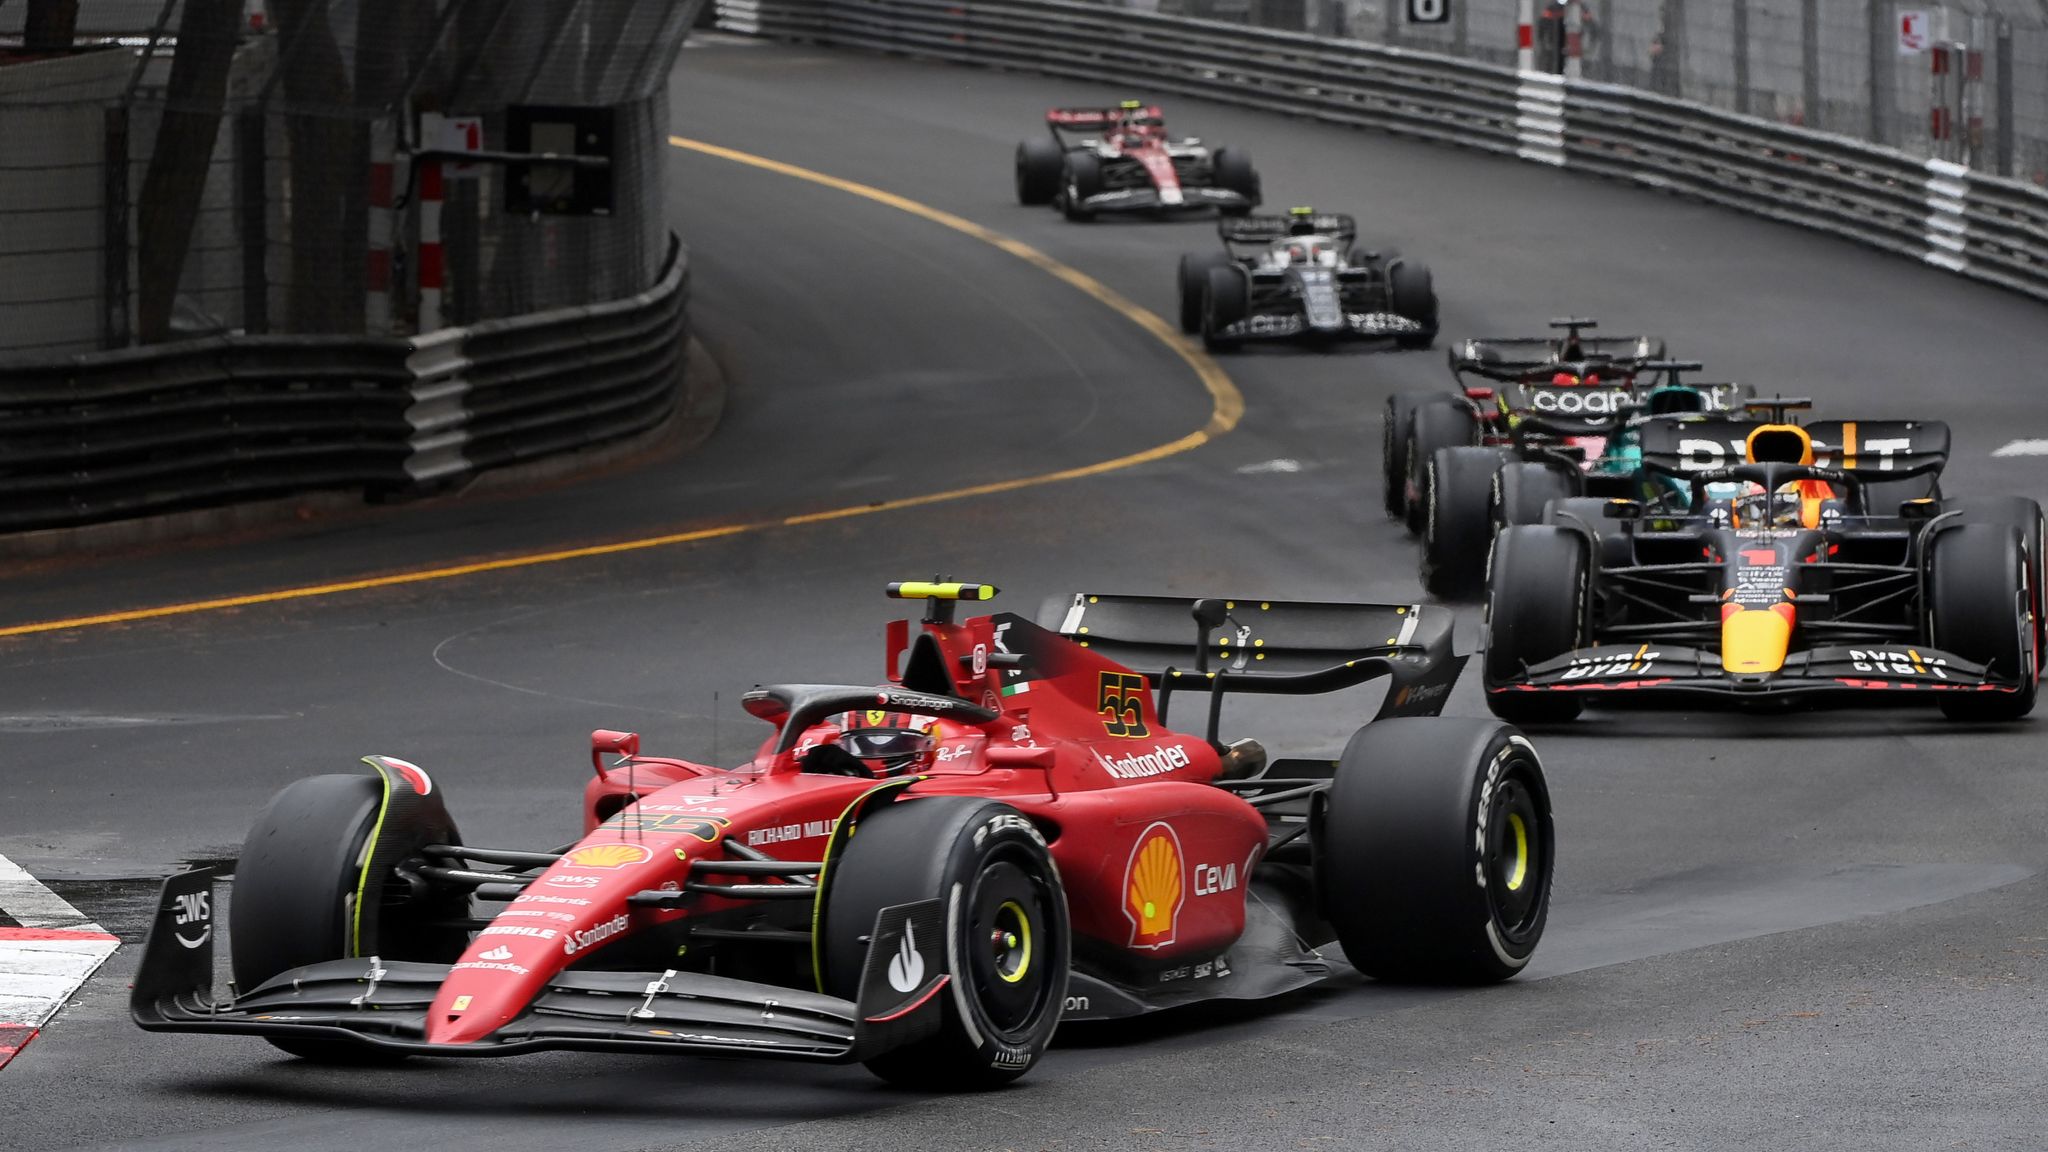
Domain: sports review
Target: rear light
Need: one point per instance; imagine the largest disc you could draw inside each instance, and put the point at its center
(1479, 393)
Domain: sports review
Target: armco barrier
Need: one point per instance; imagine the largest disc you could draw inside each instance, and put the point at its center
(167, 427)
(1986, 228)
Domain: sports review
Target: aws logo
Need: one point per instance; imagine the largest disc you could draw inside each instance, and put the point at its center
(1153, 887)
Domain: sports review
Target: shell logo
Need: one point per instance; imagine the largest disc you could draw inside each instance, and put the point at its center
(1153, 892)
(609, 855)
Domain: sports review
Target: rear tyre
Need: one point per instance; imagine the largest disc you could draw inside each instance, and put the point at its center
(1523, 491)
(1039, 164)
(1234, 172)
(1397, 429)
(1434, 851)
(1536, 602)
(1611, 545)
(1080, 178)
(1980, 608)
(1457, 532)
(1412, 294)
(1226, 302)
(295, 891)
(1193, 279)
(1449, 424)
(1008, 926)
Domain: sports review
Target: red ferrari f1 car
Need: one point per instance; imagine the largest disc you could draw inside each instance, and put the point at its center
(924, 875)
(1121, 160)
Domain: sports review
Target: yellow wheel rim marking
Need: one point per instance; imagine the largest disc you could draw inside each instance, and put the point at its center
(1023, 939)
(1521, 871)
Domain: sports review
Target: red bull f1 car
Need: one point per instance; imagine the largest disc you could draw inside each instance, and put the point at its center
(925, 875)
(1818, 563)
(1122, 160)
(1300, 277)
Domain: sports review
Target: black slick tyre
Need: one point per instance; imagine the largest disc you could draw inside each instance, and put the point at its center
(1411, 292)
(1397, 429)
(1536, 608)
(1434, 851)
(1080, 178)
(1446, 424)
(1039, 166)
(2024, 514)
(1193, 281)
(1006, 921)
(1457, 529)
(1226, 301)
(296, 887)
(1612, 547)
(1523, 491)
(1979, 608)
(1234, 172)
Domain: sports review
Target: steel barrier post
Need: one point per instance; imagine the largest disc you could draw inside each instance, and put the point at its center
(2002, 139)
(1738, 34)
(251, 217)
(114, 329)
(1810, 111)
(382, 227)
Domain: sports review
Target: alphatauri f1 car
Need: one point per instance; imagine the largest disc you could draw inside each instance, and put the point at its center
(925, 875)
(1299, 276)
(1780, 578)
(1121, 160)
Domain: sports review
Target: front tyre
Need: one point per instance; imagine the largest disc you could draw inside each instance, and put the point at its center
(296, 896)
(1397, 430)
(1080, 178)
(1434, 851)
(1227, 301)
(1457, 529)
(1006, 921)
(1039, 165)
(1536, 602)
(1193, 281)
(1449, 424)
(1234, 173)
(1412, 294)
(1981, 608)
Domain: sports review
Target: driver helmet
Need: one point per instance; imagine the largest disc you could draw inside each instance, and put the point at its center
(1756, 508)
(1296, 252)
(886, 742)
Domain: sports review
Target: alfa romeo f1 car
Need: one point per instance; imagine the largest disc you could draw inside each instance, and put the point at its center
(1416, 424)
(1783, 578)
(1300, 277)
(1121, 160)
(925, 875)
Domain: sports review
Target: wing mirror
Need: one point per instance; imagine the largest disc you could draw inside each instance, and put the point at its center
(604, 740)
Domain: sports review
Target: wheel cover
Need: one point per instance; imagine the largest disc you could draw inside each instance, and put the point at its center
(1008, 926)
(1516, 859)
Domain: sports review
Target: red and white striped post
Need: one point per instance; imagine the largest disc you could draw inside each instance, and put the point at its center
(1574, 39)
(1525, 35)
(432, 265)
(382, 224)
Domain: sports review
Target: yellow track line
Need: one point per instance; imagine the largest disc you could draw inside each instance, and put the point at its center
(1226, 408)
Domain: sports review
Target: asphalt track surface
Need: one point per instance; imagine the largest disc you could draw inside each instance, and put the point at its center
(1827, 931)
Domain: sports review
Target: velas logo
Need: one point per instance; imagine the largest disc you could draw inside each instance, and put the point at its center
(1163, 758)
(1152, 887)
(609, 855)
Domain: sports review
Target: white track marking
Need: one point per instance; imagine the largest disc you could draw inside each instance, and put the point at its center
(1281, 465)
(50, 956)
(2024, 448)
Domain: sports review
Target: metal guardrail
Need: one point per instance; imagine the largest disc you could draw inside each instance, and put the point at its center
(1986, 228)
(168, 427)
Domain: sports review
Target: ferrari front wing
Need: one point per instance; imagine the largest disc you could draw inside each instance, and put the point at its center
(384, 1003)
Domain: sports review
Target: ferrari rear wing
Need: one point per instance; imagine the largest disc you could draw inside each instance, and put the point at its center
(1277, 647)
(1266, 229)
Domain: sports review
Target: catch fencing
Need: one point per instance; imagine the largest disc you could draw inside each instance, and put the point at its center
(1943, 211)
(194, 168)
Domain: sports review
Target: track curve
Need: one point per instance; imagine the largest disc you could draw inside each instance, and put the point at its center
(1834, 922)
